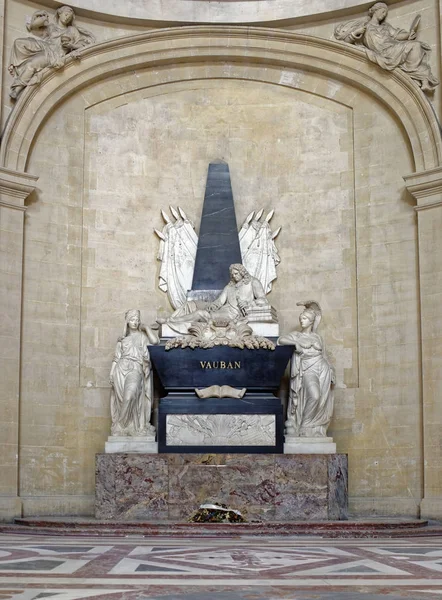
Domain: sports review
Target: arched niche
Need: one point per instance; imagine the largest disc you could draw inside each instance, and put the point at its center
(259, 54)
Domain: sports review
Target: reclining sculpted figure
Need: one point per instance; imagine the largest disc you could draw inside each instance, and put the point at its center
(240, 295)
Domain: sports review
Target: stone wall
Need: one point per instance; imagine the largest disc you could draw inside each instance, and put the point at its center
(113, 139)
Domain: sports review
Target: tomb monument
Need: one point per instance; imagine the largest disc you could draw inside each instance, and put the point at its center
(220, 360)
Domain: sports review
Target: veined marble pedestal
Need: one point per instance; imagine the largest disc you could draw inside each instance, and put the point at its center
(129, 444)
(309, 445)
(264, 487)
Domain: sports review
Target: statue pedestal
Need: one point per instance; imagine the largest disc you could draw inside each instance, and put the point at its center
(309, 445)
(129, 444)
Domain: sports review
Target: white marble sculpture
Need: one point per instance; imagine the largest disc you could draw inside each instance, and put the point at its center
(312, 378)
(48, 48)
(220, 391)
(242, 299)
(131, 380)
(389, 46)
(258, 250)
(219, 332)
(220, 430)
(178, 244)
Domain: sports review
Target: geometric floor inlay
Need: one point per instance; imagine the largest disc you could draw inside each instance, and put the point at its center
(236, 568)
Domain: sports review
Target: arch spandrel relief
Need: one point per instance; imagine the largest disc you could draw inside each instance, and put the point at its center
(391, 47)
(51, 42)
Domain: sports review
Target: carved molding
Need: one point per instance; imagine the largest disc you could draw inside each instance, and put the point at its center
(240, 47)
(15, 188)
(426, 188)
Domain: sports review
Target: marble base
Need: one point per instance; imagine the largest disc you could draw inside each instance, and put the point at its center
(309, 445)
(264, 487)
(140, 445)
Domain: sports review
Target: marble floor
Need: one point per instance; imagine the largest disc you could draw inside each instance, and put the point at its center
(236, 568)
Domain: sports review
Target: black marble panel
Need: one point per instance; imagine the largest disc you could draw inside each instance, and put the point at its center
(184, 368)
(218, 243)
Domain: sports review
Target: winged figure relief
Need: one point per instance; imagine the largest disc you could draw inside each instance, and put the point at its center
(178, 246)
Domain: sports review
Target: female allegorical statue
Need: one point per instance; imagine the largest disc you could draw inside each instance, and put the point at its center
(131, 379)
(389, 46)
(311, 379)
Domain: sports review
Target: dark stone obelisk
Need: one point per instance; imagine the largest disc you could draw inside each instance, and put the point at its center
(218, 243)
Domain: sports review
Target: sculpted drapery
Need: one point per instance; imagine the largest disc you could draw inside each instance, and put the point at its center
(239, 296)
(47, 48)
(312, 377)
(389, 46)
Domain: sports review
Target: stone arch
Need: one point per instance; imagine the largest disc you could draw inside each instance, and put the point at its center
(232, 51)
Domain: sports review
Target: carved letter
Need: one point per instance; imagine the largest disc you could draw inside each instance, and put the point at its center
(237, 364)
(222, 365)
(229, 365)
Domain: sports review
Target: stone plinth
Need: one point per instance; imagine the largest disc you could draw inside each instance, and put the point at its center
(309, 445)
(141, 444)
(267, 487)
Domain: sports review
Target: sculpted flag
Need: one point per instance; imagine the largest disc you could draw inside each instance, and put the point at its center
(259, 254)
(178, 247)
(178, 244)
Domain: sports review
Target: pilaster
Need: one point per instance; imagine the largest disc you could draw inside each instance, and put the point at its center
(14, 189)
(426, 188)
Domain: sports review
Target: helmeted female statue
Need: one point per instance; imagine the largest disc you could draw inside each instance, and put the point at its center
(312, 378)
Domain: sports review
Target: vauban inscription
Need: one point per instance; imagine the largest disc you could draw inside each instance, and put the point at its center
(220, 364)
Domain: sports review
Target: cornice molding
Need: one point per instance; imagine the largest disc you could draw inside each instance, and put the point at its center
(15, 187)
(426, 188)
